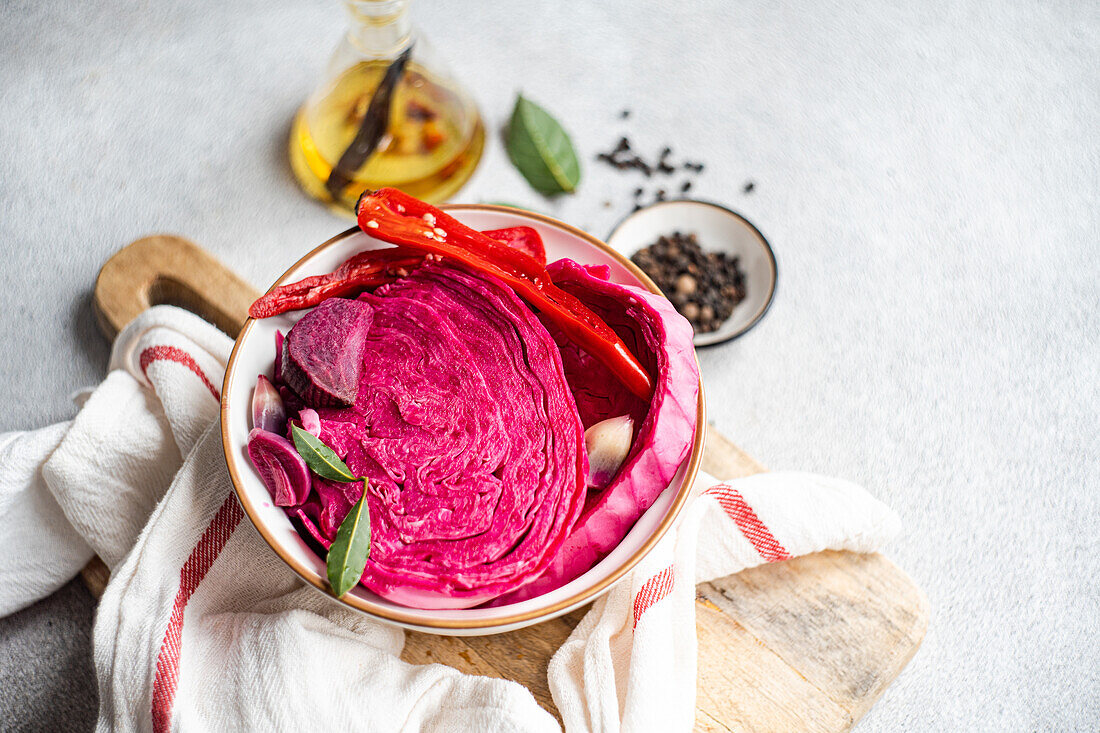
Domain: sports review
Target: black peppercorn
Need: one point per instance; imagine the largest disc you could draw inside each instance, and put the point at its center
(704, 286)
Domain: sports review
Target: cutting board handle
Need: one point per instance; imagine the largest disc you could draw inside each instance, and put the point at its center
(168, 269)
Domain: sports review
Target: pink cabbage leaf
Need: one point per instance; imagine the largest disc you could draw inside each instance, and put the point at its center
(662, 340)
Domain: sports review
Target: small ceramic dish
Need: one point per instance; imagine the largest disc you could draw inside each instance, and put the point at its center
(253, 354)
(720, 230)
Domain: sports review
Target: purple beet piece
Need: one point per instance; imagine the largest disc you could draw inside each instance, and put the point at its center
(323, 354)
(291, 401)
(280, 467)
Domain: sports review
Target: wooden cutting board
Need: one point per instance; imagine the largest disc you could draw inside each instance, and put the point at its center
(804, 645)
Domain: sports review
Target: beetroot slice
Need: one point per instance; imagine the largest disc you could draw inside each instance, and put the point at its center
(280, 467)
(322, 354)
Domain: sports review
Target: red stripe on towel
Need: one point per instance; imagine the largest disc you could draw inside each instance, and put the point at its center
(194, 570)
(171, 353)
(750, 525)
(653, 590)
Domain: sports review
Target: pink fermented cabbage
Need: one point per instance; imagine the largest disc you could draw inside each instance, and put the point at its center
(321, 358)
(466, 428)
(662, 340)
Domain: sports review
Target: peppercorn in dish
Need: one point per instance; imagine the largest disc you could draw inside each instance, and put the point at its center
(704, 286)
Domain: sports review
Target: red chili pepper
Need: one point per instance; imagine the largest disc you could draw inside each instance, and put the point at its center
(396, 217)
(365, 270)
(525, 239)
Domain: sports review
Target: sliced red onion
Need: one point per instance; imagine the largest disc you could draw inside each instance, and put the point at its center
(268, 412)
(607, 443)
(311, 527)
(280, 467)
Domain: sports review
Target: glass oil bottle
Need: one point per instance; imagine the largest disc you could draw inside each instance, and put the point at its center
(433, 137)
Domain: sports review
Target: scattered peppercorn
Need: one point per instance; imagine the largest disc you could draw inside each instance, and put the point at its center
(749, 187)
(622, 157)
(624, 114)
(704, 286)
(662, 163)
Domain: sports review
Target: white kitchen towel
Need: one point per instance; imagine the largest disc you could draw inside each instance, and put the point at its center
(202, 627)
(630, 663)
(39, 549)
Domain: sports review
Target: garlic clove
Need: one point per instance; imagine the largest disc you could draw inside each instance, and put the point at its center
(607, 442)
(268, 412)
(311, 421)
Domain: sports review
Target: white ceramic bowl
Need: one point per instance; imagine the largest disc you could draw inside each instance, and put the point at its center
(719, 230)
(253, 354)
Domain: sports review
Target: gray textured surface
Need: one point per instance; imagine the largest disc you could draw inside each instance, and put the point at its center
(928, 176)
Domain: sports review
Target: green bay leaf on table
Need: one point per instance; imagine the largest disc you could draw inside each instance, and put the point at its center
(541, 150)
(321, 459)
(347, 557)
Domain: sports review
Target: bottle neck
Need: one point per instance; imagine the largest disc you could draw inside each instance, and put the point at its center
(379, 28)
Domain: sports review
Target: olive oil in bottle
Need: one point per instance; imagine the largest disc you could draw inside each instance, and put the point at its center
(433, 137)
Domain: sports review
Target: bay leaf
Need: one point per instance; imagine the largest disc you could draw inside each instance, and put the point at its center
(540, 149)
(347, 557)
(321, 459)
